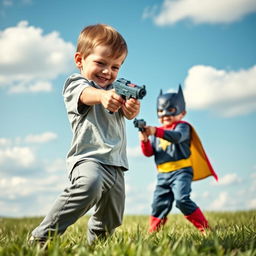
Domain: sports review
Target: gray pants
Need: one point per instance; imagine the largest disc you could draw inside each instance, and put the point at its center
(92, 184)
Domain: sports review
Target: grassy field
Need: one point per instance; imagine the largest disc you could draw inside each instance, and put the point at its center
(233, 233)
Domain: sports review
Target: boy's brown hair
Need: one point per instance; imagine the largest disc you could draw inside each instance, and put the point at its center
(101, 34)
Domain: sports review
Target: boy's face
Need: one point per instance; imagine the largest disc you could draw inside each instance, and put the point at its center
(169, 120)
(99, 67)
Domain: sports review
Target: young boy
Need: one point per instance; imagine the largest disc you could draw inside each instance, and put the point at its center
(97, 159)
(180, 158)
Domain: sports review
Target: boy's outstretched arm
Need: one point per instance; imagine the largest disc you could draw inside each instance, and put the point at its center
(145, 144)
(143, 137)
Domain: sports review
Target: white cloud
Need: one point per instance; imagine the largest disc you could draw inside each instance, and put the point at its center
(128, 188)
(252, 204)
(229, 93)
(206, 194)
(16, 187)
(230, 201)
(151, 187)
(36, 58)
(253, 183)
(17, 156)
(206, 11)
(134, 152)
(138, 198)
(196, 195)
(41, 138)
(9, 210)
(39, 86)
(31, 138)
(221, 202)
(4, 142)
(227, 179)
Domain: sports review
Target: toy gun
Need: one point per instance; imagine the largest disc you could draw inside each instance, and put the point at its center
(140, 124)
(128, 90)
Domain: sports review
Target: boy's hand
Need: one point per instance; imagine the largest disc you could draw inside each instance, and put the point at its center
(150, 130)
(111, 101)
(143, 136)
(131, 108)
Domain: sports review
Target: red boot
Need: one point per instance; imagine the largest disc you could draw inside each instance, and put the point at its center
(198, 220)
(156, 223)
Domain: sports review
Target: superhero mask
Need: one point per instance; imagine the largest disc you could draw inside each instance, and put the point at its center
(170, 104)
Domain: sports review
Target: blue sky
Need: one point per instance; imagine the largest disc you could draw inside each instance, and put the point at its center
(207, 47)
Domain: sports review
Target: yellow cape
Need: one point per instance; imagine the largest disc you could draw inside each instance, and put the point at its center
(198, 159)
(200, 163)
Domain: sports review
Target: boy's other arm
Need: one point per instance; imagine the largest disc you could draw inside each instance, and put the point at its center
(145, 144)
(180, 134)
(108, 98)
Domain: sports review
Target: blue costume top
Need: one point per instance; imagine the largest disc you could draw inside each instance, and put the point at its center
(174, 145)
(178, 146)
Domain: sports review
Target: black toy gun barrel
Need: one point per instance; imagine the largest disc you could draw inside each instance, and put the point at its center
(140, 124)
(128, 90)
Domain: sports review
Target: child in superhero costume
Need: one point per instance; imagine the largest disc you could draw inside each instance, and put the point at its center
(179, 157)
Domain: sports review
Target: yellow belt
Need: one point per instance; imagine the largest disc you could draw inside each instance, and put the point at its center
(173, 166)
